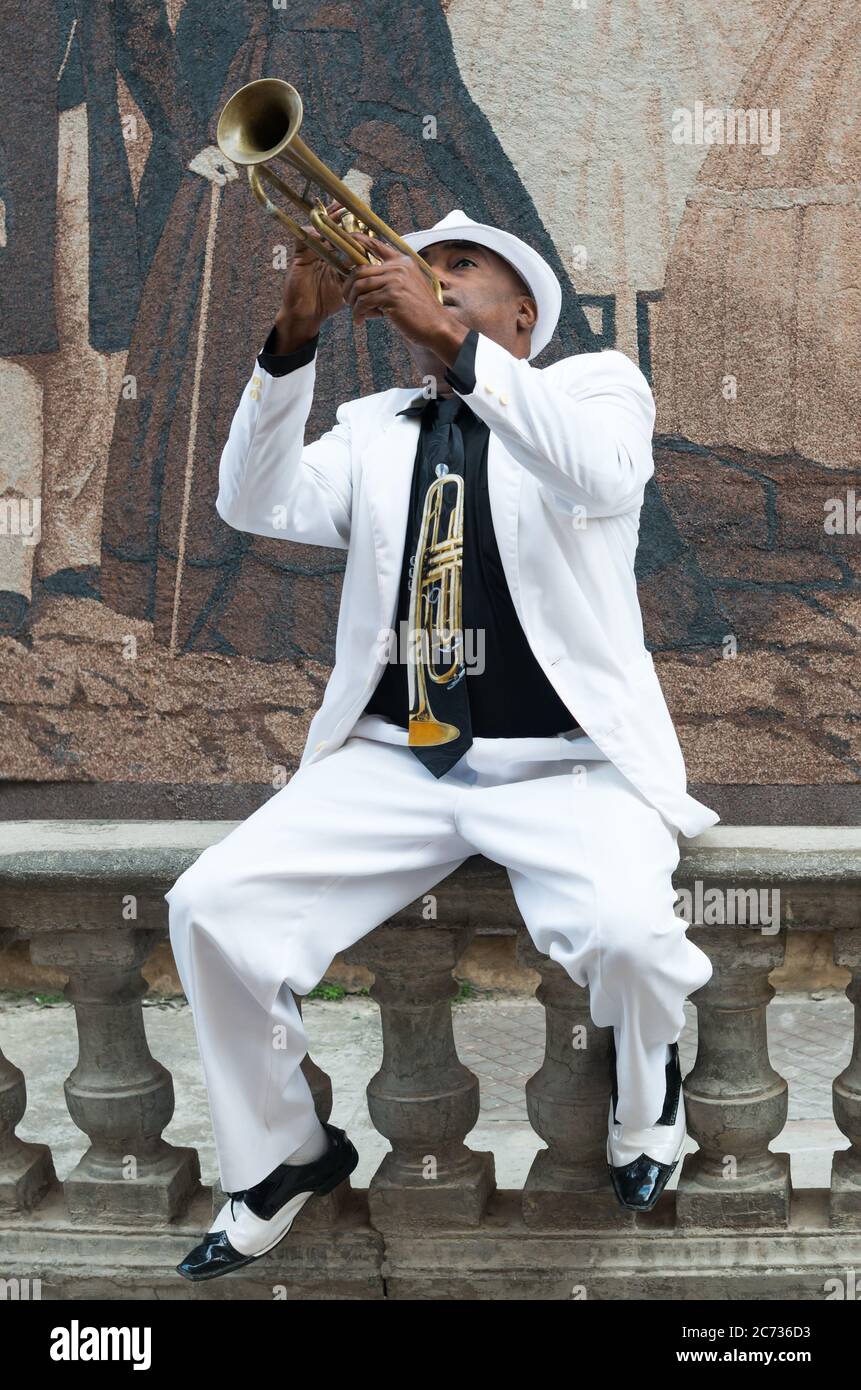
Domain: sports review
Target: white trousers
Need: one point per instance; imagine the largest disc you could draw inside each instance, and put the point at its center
(366, 831)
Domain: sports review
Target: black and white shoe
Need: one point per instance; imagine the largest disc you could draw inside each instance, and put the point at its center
(254, 1220)
(642, 1161)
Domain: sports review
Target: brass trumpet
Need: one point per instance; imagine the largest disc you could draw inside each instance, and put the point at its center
(260, 125)
(435, 610)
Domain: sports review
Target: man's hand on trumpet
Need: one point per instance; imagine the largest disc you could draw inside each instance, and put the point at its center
(398, 290)
(313, 291)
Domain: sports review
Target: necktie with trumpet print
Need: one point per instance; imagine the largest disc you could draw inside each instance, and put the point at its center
(442, 453)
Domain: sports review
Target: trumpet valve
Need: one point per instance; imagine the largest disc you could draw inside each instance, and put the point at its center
(351, 223)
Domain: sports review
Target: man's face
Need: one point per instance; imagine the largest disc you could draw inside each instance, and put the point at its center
(482, 291)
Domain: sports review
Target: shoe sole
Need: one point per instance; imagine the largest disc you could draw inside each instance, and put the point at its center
(300, 1199)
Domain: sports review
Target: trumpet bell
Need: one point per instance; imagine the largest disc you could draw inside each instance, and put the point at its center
(427, 733)
(259, 121)
(258, 126)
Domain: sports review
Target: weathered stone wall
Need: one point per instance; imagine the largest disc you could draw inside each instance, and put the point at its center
(154, 662)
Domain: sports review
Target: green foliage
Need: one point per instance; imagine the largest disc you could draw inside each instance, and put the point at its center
(326, 991)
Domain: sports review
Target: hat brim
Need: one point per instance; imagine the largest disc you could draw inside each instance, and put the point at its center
(543, 284)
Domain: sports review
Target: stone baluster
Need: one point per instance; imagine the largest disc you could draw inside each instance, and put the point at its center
(26, 1170)
(845, 1202)
(568, 1100)
(319, 1081)
(736, 1102)
(423, 1099)
(117, 1093)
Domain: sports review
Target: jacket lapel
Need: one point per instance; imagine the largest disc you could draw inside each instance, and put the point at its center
(504, 480)
(387, 474)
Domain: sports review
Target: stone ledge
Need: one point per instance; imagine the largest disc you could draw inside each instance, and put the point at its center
(501, 1259)
(78, 865)
(51, 852)
(85, 1260)
(770, 853)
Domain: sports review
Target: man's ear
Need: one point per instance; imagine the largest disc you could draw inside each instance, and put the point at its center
(527, 313)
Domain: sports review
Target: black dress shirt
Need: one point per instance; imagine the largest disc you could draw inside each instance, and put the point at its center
(509, 694)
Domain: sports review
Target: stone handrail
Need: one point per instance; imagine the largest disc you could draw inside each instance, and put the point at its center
(88, 896)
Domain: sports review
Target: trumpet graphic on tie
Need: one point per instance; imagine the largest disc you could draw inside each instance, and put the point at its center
(435, 611)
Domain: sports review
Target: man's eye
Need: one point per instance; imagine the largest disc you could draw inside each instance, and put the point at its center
(468, 260)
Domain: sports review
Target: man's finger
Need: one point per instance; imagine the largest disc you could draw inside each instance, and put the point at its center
(367, 271)
(371, 306)
(363, 278)
(376, 244)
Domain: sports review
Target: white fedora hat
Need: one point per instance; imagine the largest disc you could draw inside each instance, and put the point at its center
(543, 284)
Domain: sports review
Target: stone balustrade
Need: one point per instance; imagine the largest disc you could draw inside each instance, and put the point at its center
(88, 897)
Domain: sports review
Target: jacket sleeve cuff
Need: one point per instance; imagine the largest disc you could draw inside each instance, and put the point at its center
(461, 373)
(280, 363)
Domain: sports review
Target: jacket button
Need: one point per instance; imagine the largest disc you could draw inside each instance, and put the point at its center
(321, 744)
(503, 400)
(488, 388)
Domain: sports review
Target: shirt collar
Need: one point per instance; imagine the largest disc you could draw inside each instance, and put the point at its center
(420, 404)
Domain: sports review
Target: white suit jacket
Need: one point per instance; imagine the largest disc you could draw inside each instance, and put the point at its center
(569, 455)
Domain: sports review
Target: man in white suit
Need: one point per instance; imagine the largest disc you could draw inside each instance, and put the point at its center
(566, 768)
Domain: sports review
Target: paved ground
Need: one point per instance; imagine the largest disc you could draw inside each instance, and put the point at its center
(501, 1039)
